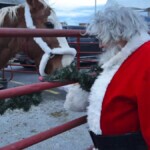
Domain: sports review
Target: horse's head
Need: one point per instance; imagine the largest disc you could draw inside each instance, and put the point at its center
(49, 53)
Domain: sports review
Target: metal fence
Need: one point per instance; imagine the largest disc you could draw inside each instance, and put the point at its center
(27, 89)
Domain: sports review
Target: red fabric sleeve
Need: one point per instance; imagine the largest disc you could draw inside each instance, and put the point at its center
(143, 98)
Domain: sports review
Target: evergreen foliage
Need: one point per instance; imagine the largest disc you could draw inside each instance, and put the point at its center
(85, 78)
(20, 102)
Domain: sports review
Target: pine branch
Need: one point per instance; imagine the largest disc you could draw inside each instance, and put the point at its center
(85, 78)
(20, 102)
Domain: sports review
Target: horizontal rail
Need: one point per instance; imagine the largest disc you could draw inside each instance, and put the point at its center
(88, 60)
(45, 135)
(93, 52)
(24, 32)
(11, 69)
(28, 89)
(15, 64)
(91, 43)
(20, 71)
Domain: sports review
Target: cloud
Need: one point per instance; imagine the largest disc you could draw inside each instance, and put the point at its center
(69, 4)
(76, 16)
(75, 12)
(79, 15)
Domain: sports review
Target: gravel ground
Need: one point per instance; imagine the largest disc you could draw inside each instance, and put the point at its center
(16, 125)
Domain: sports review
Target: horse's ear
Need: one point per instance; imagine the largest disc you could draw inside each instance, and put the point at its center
(35, 3)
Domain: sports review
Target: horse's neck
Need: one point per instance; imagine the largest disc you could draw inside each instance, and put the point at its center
(32, 50)
(10, 46)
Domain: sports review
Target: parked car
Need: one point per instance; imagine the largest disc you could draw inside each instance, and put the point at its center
(89, 46)
(87, 43)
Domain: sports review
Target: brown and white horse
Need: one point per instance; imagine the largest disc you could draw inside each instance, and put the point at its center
(49, 53)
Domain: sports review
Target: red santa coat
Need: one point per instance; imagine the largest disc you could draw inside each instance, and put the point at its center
(120, 97)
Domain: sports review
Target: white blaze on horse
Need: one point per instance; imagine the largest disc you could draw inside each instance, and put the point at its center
(49, 53)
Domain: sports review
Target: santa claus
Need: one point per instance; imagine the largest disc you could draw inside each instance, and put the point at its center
(118, 105)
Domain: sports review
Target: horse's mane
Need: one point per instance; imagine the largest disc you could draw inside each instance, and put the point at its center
(45, 3)
(10, 11)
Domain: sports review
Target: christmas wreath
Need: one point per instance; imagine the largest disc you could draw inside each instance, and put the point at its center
(84, 77)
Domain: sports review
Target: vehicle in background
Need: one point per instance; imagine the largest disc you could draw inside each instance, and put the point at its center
(24, 60)
(89, 47)
(88, 44)
(147, 18)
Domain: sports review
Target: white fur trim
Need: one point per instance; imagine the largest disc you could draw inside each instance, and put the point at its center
(67, 60)
(29, 23)
(76, 99)
(43, 45)
(28, 18)
(68, 55)
(100, 86)
(67, 52)
(39, 41)
(43, 64)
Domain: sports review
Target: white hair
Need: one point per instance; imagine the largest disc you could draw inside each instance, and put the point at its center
(116, 23)
(10, 11)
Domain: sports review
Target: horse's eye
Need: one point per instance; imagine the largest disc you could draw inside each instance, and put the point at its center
(49, 25)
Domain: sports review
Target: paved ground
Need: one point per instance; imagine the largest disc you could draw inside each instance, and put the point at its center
(16, 125)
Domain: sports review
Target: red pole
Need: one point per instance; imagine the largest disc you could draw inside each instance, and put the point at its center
(45, 135)
(24, 32)
(28, 89)
(78, 52)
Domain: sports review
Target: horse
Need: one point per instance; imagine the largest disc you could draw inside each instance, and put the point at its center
(48, 53)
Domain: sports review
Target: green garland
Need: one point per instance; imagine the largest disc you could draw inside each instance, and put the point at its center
(20, 102)
(85, 78)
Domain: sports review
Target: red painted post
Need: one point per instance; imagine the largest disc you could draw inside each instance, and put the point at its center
(78, 52)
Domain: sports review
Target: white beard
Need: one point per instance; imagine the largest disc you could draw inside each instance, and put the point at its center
(108, 54)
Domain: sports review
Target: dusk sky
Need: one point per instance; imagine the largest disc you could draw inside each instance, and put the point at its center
(81, 11)
(75, 12)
